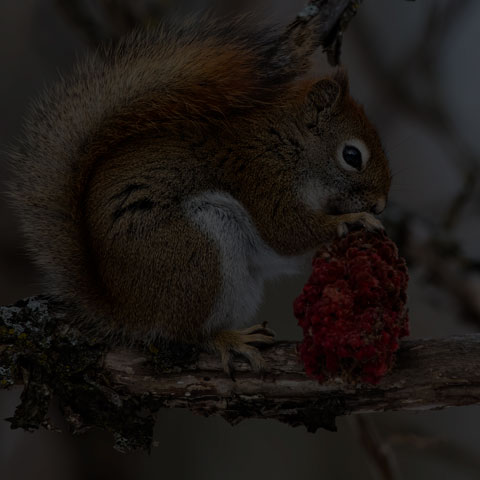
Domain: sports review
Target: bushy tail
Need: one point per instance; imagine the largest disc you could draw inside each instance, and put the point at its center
(194, 72)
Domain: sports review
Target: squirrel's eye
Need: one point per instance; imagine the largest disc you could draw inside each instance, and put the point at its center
(352, 157)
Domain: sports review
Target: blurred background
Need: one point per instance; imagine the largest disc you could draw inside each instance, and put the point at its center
(416, 68)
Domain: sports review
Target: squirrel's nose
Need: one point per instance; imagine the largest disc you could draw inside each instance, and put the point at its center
(379, 207)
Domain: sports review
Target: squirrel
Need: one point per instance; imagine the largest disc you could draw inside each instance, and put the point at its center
(169, 176)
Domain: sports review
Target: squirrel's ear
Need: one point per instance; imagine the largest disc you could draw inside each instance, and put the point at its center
(326, 93)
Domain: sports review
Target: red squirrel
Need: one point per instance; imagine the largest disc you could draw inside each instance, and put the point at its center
(166, 179)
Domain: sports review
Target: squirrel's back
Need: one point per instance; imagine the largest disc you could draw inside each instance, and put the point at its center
(190, 74)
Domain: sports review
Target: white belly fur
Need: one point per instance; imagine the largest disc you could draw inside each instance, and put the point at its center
(246, 260)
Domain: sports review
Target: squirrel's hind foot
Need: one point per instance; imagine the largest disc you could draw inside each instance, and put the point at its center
(230, 342)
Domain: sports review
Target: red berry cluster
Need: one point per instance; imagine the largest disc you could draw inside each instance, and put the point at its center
(352, 309)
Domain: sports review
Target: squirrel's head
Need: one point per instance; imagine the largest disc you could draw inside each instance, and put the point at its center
(344, 168)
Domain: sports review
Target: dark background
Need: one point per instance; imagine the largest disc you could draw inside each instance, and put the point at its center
(415, 66)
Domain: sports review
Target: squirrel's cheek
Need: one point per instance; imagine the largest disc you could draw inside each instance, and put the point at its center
(315, 194)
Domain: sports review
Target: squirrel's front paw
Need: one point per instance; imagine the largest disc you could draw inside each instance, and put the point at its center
(366, 220)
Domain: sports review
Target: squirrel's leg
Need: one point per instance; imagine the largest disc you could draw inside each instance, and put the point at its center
(243, 263)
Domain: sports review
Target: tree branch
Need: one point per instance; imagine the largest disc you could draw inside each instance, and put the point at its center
(429, 374)
(120, 389)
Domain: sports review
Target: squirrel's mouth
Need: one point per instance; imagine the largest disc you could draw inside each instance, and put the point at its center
(336, 207)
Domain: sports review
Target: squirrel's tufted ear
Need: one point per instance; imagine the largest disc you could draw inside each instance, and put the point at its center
(326, 93)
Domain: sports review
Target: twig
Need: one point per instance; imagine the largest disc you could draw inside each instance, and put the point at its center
(322, 23)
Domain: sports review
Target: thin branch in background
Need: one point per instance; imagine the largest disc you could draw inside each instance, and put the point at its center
(378, 450)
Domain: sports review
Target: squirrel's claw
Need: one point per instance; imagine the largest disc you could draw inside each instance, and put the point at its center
(366, 220)
(231, 342)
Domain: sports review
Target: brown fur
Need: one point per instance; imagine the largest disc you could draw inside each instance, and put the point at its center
(110, 155)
